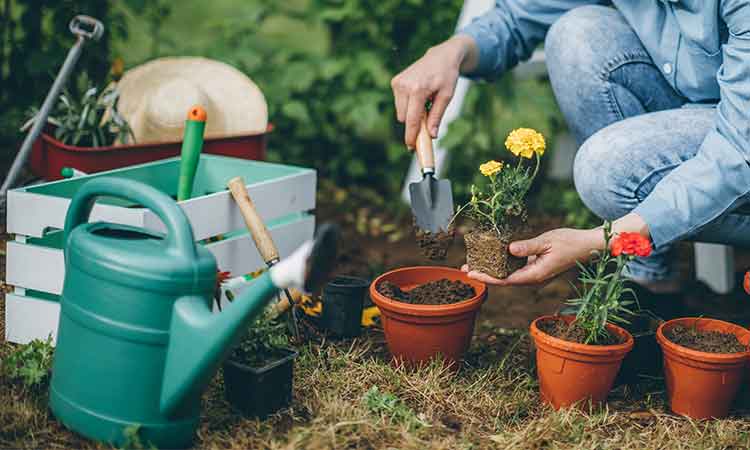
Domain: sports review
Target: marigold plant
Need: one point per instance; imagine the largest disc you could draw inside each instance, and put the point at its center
(600, 299)
(502, 199)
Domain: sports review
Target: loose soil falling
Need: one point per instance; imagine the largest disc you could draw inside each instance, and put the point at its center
(573, 332)
(434, 246)
(705, 341)
(440, 292)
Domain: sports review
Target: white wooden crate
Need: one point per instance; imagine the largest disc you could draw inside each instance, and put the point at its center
(35, 266)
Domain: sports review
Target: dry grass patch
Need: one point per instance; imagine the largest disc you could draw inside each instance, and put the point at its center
(348, 395)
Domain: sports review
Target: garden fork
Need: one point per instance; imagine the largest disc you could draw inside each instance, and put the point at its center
(84, 28)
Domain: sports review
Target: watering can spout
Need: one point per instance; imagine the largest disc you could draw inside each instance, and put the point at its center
(199, 340)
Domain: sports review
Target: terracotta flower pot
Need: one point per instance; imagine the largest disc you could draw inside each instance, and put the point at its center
(417, 333)
(570, 373)
(700, 384)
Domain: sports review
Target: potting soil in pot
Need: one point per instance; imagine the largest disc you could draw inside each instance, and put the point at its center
(434, 246)
(572, 332)
(440, 292)
(704, 340)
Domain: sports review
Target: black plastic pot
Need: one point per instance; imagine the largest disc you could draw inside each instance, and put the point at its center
(260, 391)
(343, 300)
(645, 359)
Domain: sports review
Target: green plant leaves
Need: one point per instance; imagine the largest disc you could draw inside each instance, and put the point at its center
(30, 364)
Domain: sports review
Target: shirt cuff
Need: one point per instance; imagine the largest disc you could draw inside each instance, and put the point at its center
(487, 52)
(651, 210)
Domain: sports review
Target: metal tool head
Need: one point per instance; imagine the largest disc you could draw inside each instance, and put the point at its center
(432, 203)
(86, 27)
(322, 259)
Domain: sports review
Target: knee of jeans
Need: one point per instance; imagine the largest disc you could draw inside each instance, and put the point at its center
(569, 41)
(598, 181)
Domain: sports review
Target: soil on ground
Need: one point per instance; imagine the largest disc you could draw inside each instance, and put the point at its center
(434, 246)
(704, 340)
(440, 292)
(573, 332)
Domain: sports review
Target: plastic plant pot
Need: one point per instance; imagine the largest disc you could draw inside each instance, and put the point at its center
(343, 300)
(415, 334)
(645, 358)
(49, 155)
(702, 385)
(260, 391)
(571, 373)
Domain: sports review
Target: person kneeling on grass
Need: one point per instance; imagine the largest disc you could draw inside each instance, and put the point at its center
(657, 93)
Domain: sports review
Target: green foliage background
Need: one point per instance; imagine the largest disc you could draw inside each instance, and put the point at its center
(324, 65)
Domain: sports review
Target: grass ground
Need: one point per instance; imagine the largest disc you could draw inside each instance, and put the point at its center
(347, 395)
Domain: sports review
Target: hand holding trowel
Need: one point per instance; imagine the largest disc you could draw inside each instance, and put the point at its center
(258, 230)
(431, 201)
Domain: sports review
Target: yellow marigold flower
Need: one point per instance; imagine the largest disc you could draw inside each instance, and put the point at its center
(525, 142)
(491, 168)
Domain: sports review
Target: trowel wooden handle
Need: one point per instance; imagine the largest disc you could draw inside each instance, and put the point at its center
(255, 224)
(424, 147)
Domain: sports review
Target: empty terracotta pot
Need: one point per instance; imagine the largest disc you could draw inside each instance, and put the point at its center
(418, 333)
(570, 373)
(700, 384)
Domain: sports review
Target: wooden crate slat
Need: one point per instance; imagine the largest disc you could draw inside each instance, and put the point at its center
(42, 269)
(239, 256)
(29, 318)
(273, 199)
(277, 190)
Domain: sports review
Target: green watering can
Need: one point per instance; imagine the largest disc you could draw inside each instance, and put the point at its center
(138, 341)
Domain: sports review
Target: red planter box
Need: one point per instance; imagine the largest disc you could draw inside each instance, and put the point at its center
(49, 156)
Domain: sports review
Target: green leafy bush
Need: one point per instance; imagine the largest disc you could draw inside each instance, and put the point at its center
(329, 91)
(562, 199)
(30, 364)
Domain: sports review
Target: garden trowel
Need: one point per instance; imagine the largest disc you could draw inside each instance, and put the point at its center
(431, 199)
(258, 230)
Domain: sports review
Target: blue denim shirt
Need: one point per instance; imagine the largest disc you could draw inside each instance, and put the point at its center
(703, 50)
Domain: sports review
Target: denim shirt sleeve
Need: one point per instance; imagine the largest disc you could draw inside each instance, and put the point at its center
(509, 32)
(718, 176)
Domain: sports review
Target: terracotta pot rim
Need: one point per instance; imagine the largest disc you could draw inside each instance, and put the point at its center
(697, 355)
(459, 308)
(585, 349)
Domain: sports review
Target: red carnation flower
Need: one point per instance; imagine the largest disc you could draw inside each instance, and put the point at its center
(222, 277)
(746, 283)
(630, 244)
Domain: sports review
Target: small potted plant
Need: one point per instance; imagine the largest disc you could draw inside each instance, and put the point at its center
(578, 357)
(427, 312)
(258, 375)
(705, 361)
(498, 210)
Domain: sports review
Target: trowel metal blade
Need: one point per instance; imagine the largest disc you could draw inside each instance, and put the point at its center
(432, 204)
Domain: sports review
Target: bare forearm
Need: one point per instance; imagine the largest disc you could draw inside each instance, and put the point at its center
(630, 223)
(468, 51)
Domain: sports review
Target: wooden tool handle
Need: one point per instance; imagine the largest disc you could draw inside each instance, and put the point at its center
(255, 224)
(424, 147)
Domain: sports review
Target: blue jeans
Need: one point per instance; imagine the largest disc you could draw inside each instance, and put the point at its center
(632, 126)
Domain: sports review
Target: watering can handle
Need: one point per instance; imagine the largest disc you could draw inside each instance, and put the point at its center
(179, 237)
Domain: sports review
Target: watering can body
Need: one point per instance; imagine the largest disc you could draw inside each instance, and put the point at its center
(137, 341)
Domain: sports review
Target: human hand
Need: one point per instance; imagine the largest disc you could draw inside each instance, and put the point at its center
(433, 76)
(549, 254)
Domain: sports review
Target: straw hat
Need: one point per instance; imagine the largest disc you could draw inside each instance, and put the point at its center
(155, 98)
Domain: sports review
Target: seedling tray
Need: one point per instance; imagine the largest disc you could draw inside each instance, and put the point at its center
(284, 196)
